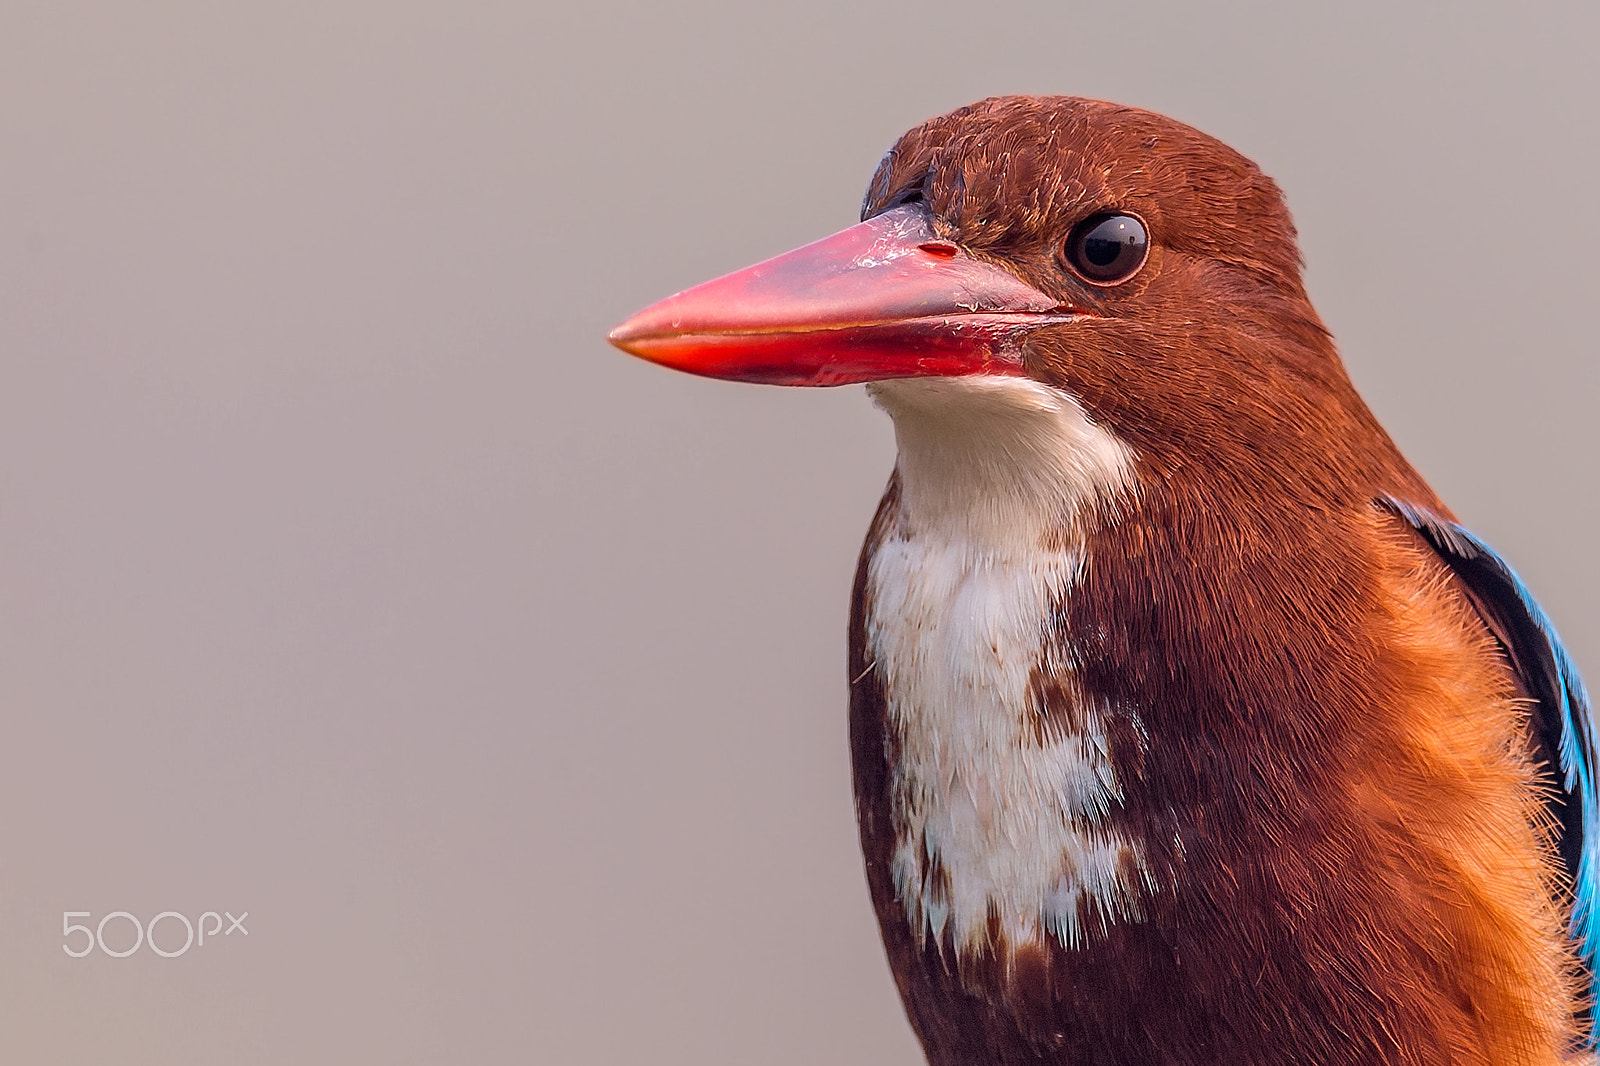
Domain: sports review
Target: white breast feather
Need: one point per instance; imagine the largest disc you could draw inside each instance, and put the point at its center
(992, 470)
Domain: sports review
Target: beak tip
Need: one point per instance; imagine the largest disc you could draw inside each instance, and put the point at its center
(626, 335)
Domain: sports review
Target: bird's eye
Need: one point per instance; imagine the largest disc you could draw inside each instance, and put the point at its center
(1107, 249)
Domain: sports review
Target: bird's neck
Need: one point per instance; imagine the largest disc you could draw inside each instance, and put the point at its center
(1000, 464)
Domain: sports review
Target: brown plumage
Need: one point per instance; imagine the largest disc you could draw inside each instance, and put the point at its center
(1351, 857)
(1311, 808)
(1353, 882)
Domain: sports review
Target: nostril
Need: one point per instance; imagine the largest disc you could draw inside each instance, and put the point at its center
(942, 249)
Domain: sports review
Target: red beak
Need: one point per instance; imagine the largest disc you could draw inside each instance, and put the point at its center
(884, 299)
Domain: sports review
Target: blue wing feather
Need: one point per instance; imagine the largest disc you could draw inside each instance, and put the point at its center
(1563, 708)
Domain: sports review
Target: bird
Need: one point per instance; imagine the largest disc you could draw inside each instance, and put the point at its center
(1188, 725)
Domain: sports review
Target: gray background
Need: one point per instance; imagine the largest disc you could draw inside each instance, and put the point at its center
(347, 577)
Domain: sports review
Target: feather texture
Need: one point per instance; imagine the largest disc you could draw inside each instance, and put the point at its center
(1562, 724)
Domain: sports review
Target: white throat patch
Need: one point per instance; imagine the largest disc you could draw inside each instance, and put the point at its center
(993, 816)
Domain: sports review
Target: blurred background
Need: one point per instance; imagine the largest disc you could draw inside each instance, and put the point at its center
(349, 579)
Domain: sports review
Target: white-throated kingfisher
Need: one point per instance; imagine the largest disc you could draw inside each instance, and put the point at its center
(1188, 726)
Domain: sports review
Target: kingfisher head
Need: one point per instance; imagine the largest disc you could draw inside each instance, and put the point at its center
(1135, 264)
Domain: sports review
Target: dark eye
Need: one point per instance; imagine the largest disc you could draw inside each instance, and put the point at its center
(1107, 249)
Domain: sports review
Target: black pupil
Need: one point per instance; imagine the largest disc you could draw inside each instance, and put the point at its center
(1110, 248)
(1102, 251)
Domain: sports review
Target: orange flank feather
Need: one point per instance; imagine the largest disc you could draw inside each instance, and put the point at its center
(1458, 850)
